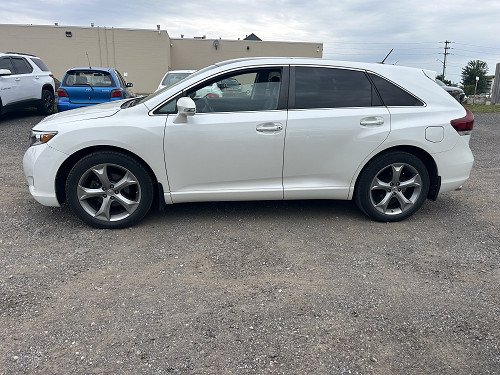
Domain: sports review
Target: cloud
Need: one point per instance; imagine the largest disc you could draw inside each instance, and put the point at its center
(363, 30)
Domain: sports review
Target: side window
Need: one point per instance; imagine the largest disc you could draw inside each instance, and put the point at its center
(251, 90)
(333, 88)
(6, 64)
(392, 95)
(40, 64)
(21, 66)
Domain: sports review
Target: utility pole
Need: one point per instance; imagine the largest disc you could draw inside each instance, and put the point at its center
(445, 53)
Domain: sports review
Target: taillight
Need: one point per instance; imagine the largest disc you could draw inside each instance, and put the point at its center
(211, 95)
(62, 93)
(464, 125)
(117, 93)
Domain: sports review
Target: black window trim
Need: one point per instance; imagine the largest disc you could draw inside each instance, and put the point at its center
(283, 100)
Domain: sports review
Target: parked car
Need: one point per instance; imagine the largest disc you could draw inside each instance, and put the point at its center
(456, 92)
(229, 86)
(25, 81)
(384, 136)
(172, 77)
(81, 87)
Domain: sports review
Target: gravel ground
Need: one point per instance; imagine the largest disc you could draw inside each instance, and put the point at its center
(307, 287)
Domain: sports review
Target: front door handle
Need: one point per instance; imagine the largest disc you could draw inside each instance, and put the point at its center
(372, 121)
(269, 127)
(17, 79)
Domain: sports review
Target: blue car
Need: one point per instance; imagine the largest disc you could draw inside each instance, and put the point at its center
(81, 87)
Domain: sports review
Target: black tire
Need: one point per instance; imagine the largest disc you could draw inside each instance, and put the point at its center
(119, 190)
(392, 187)
(46, 106)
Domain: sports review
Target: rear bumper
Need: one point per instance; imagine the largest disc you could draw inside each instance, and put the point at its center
(454, 166)
(64, 105)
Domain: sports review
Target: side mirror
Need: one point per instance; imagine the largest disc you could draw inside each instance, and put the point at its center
(5, 72)
(129, 84)
(185, 107)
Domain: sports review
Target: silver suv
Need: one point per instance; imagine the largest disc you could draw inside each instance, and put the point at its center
(25, 81)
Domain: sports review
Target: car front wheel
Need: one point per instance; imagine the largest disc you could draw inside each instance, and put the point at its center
(109, 190)
(392, 187)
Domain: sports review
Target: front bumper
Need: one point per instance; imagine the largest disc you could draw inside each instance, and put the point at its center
(40, 164)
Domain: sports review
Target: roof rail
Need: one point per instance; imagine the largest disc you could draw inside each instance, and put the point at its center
(20, 53)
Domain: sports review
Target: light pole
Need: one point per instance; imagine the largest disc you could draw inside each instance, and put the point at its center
(475, 88)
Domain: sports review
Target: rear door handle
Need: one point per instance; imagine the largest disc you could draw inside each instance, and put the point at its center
(372, 121)
(18, 79)
(269, 127)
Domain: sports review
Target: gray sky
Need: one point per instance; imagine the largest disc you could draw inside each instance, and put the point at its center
(357, 30)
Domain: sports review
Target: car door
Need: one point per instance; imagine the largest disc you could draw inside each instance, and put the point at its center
(232, 148)
(336, 119)
(29, 87)
(9, 84)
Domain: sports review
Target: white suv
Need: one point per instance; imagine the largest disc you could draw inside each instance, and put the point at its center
(25, 81)
(387, 137)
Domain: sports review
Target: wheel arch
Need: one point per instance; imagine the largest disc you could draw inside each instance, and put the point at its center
(49, 87)
(68, 164)
(424, 156)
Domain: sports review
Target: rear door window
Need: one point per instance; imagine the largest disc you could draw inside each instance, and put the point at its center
(21, 66)
(317, 87)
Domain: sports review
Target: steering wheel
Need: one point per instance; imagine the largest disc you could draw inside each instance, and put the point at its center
(205, 105)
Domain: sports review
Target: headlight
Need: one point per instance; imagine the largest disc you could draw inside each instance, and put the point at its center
(39, 137)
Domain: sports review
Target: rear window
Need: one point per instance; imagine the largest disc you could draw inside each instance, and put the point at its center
(394, 96)
(40, 64)
(88, 77)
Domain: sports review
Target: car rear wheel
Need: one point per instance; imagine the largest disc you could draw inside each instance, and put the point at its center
(46, 106)
(109, 190)
(392, 187)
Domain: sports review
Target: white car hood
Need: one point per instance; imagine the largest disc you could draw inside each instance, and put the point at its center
(84, 113)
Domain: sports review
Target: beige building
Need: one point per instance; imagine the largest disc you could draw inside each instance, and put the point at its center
(144, 55)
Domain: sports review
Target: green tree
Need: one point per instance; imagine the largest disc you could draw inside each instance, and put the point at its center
(474, 68)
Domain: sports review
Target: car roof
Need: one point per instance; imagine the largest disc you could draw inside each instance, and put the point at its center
(20, 54)
(181, 71)
(98, 68)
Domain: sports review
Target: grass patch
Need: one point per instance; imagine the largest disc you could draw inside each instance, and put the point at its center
(483, 108)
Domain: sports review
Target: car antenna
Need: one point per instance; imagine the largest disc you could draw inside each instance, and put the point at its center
(385, 58)
(88, 59)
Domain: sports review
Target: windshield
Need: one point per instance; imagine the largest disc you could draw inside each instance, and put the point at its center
(440, 83)
(159, 92)
(173, 78)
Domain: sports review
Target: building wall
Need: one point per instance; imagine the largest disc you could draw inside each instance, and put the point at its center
(198, 53)
(145, 55)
